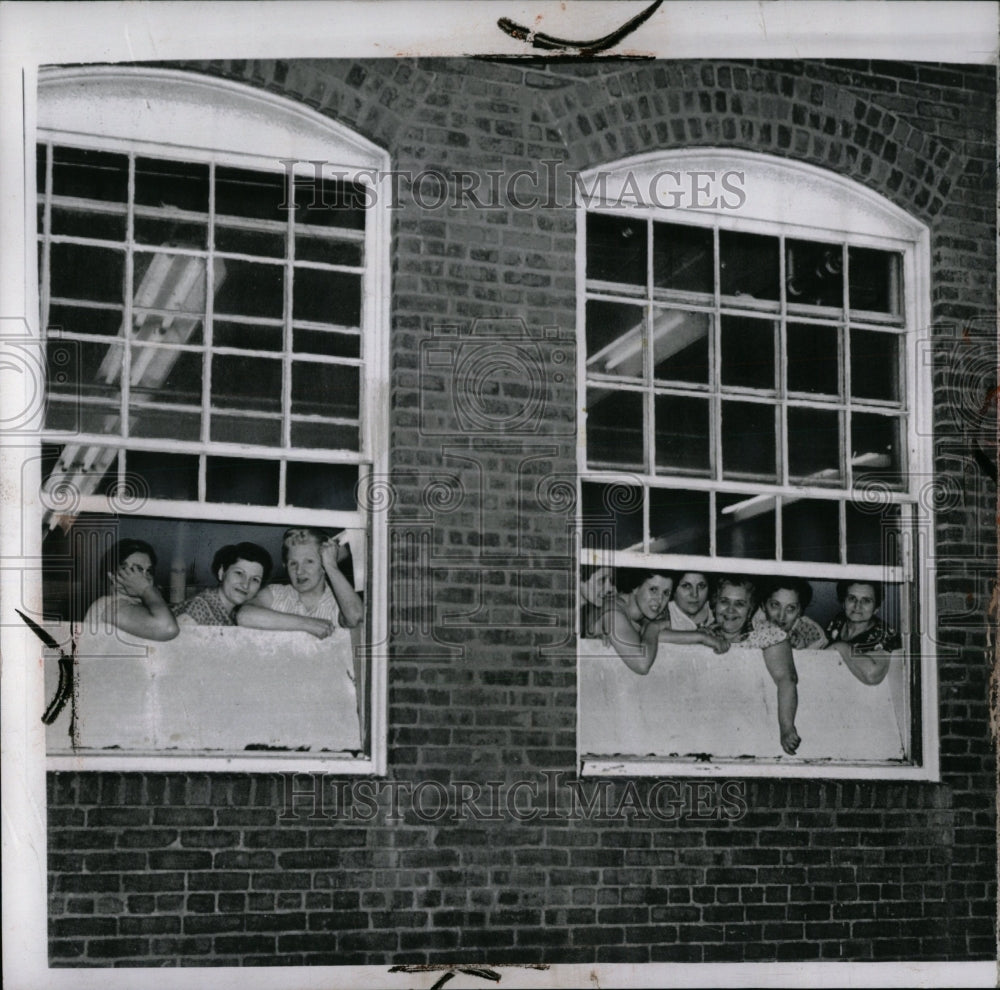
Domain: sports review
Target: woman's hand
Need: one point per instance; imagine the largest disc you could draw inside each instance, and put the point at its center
(716, 641)
(320, 628)
(790, 740)
(131, 580)
(332, 553)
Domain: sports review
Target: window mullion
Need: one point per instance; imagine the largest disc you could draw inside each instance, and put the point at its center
(206, 376)
(288, 337)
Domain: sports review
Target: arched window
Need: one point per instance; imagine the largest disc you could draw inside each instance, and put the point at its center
(213, 269)
(753, 400)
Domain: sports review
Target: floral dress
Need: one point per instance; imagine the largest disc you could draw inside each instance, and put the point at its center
(878, 636)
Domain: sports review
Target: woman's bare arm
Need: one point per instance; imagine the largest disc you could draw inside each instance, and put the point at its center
(352, 609)
(869, 668)
(151, 617)
(781, 667)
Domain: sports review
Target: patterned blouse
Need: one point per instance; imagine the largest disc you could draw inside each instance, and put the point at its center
(878, 636)
(207, 609)
(756, 637)
(804, 635)
(284, 598)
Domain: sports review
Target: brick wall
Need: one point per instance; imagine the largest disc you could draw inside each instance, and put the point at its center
(165, 869)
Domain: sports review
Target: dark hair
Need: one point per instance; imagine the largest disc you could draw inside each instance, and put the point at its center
(121, 551)
(229, 554)
(738, 581)
(801, 587)
(876, 587)
(630, 578)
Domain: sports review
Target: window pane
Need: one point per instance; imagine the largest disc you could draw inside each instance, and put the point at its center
(748, 440)
(232, 479)
(326, 389)
(175, 424)
(327, 297)
(81, 368)
(166, 475)
(810, 530)
(615, 343)
(86, 174)
(169, 284)
(812, 359)
(873, 534)
(744, 526)
(76, 222)
(876, 449)
(171, 184)
(240, 382)
(242, 428)
(164, 374)
(245, 193)
(814, 273)
(748, 352)
(82, 272)
(616, 249)
(678, 521)
(875, 280)
(250, 289)
(325, 436)
(612, 516)
(749, 265)
(615, 429)
(328, 250)
(874, 365)
(814, 446)
(80, 319)
(240, 240)
(683, 435)
(321, 486)
(326, 342)
(683, 258)
(168, 231)
(248, 336)
(681, 345)
(331, 202)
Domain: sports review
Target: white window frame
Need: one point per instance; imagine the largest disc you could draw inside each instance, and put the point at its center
(778, 193)
(174, 114)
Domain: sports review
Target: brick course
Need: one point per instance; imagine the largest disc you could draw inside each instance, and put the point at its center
(154, 869)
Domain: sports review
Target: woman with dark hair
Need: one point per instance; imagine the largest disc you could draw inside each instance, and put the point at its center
(636, 619)
(859, 635)
(733, 603)
(131, 601)
(784, 602)
(240, 569)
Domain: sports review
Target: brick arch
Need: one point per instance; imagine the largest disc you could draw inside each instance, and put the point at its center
(684, 104)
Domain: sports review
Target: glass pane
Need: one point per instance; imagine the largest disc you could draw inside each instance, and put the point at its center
(616, 249)
(744, 526)
(681, 345)
(170, 232)
(810, 530)
(70, 415)
(873, 534)
(246, 193)
(876, 449)
(80, 319)
(166, 475)
(326, 390)
(41, 157)
(814, 273)
(812, 360)
(164, 374)
(239, 240)
(250, 289)
(325, 436)
(875, 280)
(82, 368)
(241, 428)
(814, 446)
(749, 265)
(321, 486)
(683, 435)
(748, 440)
(329, 202)
(79, 271)
(88, 223)
(175, 424)
(615, 333)
(328, 250)
(678, 521)
(232, 479)
(327, 342)
(874, 365)
(748, 352)
(88, 174)
(169, 284)
(612, 516)
(326, 297)
(615, 429)
(171, 184)
(248, 336)
(240, 382)
(683, 258)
